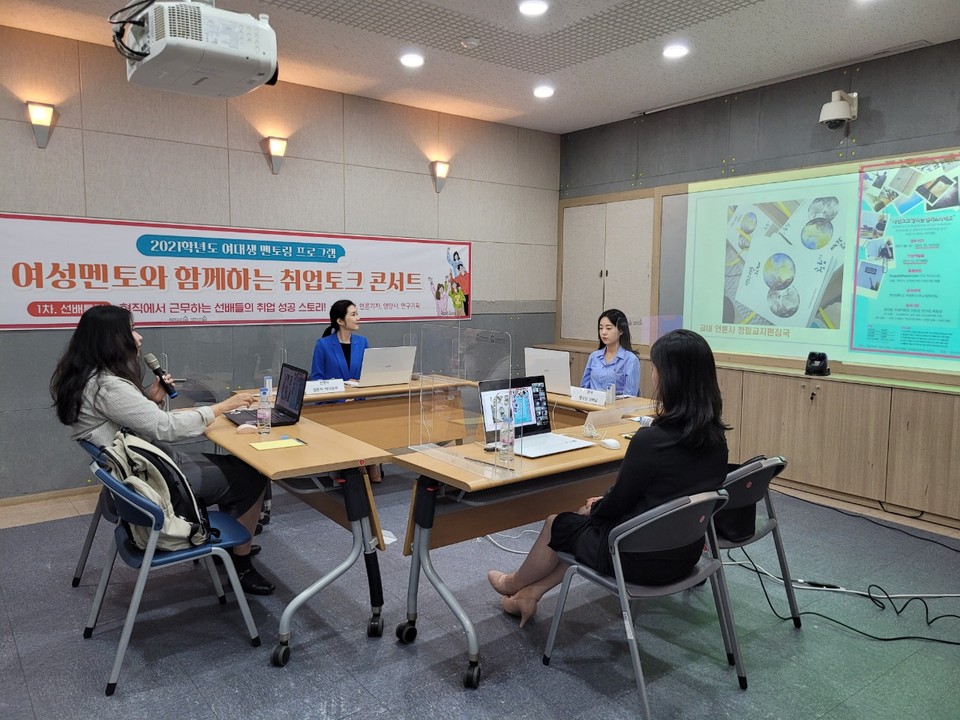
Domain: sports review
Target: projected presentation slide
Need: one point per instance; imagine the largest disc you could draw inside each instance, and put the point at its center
(862, 265)
(907, 294)
(765, 265)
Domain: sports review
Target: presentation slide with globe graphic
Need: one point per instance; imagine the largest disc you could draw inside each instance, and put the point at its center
(786, 252)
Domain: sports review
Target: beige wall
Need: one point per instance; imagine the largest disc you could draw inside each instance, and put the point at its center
(353, 165)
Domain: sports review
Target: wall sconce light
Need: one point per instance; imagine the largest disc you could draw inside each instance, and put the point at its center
(439, 170)
(274, 148)
(42, 117)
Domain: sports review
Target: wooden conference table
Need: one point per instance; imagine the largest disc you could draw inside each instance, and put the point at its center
(459, 496)
(390, 415)
(323, 450)
(429, 409)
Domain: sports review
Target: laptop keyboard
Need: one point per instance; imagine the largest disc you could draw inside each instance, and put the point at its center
(250, 416)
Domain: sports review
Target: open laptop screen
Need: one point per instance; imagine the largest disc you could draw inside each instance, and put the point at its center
(292, 383)
(526, 397)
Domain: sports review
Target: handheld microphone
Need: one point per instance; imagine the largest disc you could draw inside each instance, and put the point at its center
(150, 360)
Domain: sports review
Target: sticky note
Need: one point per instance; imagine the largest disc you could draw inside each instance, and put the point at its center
(275, 444)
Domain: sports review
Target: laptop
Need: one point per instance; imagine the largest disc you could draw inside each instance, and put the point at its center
(288, 404)
(387, 366)
(554, 365)
(526, 398)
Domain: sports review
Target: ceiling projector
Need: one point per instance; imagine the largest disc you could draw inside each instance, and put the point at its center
(196, 48)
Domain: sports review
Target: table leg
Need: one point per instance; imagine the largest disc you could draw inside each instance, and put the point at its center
(423, 515)
(358, 513)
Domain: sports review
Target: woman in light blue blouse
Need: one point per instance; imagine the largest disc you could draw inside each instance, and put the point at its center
(614, 362)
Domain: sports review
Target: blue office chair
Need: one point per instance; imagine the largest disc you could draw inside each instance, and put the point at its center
(671, 525)
(746, 485)
(104, 509)
(135, 509)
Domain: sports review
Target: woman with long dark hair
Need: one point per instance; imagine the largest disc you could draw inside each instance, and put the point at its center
(683, 452)
(338, 353)
(613, 362)
(96, 390)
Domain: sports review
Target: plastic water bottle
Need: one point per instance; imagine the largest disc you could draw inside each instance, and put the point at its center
(505, 437)
(268, 384)
(263, 413)
(611, 394)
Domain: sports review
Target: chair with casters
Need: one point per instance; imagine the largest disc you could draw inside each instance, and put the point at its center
(746, 485)
(135, 509)
(104, 509)
(672, 525)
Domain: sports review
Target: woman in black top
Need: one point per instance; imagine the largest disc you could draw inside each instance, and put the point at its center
(682, 453)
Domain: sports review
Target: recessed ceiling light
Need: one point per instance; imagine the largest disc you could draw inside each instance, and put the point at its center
(543, 91)
(676, 50)
(470, 43)
(533, 8)
(411, 60)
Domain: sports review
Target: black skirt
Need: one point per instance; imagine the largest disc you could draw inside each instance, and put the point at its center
(586, 539)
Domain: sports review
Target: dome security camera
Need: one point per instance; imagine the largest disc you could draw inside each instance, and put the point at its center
(841, 109)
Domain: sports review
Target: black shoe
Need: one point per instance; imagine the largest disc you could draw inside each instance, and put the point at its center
(253, 583)
(254, 550)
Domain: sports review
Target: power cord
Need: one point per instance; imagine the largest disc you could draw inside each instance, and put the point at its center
(511, 537)
(871, 520)
(808, 584)
(132, 10)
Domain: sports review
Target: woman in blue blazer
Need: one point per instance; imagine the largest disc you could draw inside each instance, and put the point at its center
(339, 352)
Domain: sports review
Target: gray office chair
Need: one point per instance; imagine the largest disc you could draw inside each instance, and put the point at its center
(671, 525)
(746, 485)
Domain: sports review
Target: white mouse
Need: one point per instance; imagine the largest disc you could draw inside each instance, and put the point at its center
(610, 443)
(246, 428)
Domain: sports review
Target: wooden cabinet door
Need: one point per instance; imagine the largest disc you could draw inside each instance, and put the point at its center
(833, 434)
(731, 388)
(773, 415)
(923, 465)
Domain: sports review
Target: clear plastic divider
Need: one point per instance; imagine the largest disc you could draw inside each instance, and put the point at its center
(448, 421)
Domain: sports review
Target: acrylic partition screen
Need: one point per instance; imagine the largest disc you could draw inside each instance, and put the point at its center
(860, 264)
(448, 419)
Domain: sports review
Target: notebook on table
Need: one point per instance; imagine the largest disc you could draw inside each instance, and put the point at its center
(288, 404)
(526, 399)
(387, 366)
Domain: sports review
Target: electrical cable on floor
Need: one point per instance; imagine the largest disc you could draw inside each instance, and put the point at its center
(511, 537)
(877, 601)
(871, 520)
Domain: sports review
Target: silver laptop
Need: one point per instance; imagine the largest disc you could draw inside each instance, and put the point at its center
(387, 366)
(554, 365)
(526, 398)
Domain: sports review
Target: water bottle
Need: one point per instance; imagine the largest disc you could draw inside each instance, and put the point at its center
(611, 394)
(268, 384)
(505, 437)
(263, 413)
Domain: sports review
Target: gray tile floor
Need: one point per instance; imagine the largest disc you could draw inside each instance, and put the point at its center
(188, 657)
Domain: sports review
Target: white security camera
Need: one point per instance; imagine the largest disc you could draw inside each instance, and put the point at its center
(841, 109)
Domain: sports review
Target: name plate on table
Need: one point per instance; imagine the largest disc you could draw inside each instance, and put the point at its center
(319, 387)
(591, 397)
